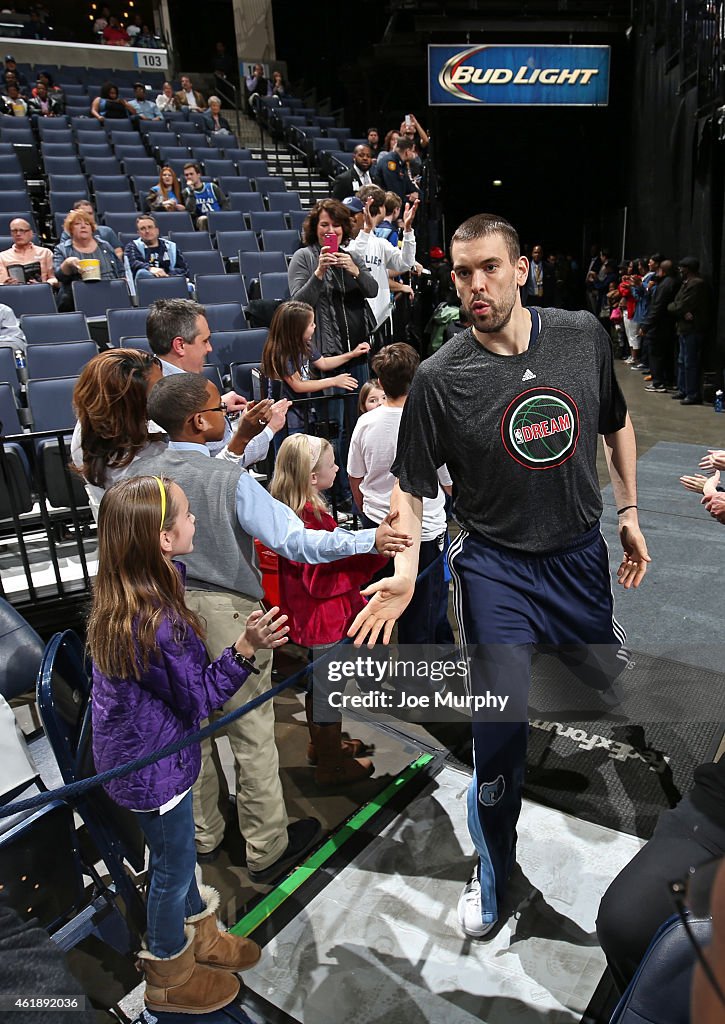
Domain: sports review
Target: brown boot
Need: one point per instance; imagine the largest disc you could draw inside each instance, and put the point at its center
(178, 984)
(350, 747)
(220, 949)
(333, 768)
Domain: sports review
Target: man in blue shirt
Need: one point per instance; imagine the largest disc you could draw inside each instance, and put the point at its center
(152, 256)
(201, 197)
(145, 108)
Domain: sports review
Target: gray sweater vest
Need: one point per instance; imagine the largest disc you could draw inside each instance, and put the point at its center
(223, 557)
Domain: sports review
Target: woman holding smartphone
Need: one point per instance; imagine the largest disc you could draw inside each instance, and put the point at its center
(336, 284)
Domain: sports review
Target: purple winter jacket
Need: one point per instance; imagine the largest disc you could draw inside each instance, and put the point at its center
(131, 719)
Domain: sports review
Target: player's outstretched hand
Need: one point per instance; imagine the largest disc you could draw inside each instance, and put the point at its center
(635, 558)
(388, 600)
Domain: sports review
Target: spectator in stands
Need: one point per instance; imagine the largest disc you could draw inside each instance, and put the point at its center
(55, 91)
(279, 86)
(373, 137)
(145, 108)
(388, 226)
(388, 146)
(349, 182)
(43, 103)
(135, 28)
(148, 40)
(189, 97)
(201, 197)
(411, 130)
(24, 262)
(214, 122)
(371, 396)
(225, 73)
(336, 284)
(166, 196)
(691, 310)
(109, 400)
(101, 21)
(109, 105)
(541, 283)
(114, 34)
(257, 85)
(149, 255)
(380, 256)
(395, 175)
(658, 327)
(372, 453)
(82, 244)
(35, 29)
(11, 335)
(105, 234)
(14, 102)
(166, 99)
(11, 66)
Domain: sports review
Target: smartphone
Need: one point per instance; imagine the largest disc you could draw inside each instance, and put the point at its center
(408, 120)
(331, 241)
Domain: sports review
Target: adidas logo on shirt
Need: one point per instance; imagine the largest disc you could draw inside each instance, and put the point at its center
(528, 376)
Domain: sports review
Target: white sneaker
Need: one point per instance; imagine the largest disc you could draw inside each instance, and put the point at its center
(469, 909)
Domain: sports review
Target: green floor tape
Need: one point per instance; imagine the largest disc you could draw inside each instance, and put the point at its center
(285, 889)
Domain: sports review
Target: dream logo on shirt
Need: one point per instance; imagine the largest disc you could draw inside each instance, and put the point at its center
(540, 428)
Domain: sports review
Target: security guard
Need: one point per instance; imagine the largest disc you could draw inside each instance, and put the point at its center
(396, 177)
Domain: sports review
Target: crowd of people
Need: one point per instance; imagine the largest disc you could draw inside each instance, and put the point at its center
(111, 30)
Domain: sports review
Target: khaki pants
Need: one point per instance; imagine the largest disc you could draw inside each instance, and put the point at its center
(260, 803)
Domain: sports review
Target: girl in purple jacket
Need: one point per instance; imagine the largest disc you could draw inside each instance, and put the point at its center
(153, 684)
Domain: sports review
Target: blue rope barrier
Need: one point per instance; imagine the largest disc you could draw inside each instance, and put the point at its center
(76, 789)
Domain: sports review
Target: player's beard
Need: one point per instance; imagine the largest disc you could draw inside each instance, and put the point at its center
(498, 315)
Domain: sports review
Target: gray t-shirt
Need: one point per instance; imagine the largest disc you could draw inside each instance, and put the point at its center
(518, 433)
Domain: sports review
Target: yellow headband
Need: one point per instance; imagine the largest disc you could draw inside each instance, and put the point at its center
(162, 492)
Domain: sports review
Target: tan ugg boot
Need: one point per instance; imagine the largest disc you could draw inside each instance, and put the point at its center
(350, 747)
(214, 948)
(179, 984)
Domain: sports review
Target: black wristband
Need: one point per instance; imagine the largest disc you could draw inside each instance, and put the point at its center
(243, 661)
(625, 509)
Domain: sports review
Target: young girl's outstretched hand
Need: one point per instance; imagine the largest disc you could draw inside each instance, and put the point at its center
(262, 630)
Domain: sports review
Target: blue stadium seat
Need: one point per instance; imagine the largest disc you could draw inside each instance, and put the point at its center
(54, 327)
(64, 149)
(94, 298)
(61, 359)
(102, 165)
(8, 370)
(50, 126)
(247, 202)
(101, 149)
(286, 241)
(206, 263)
(136, 341)
(216, 168)
(284, 201)
(86, 124)
(297, 218)
(125, 323)
(191, 241)
(12, 183)
(226, 316)
(251, 168)
(125, 222)
(226, 220)
(269, 220)
(274, 286)
(238, 346)
(62, 165)
(252, 264)
(68, 183)
(51, 403)
(23, 298)
(9, 415)
(110, 182)
(219, 288)
(62, 202)
(230, 242)
(266, 185)
(149, 289)
(134, 165)
(115, 202)
(230, 184)
(175, 220)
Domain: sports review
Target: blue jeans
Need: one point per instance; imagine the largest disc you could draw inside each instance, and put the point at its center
(173, 893)
(688, 365)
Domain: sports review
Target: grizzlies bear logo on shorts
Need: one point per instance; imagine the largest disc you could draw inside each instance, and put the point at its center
(490, 793)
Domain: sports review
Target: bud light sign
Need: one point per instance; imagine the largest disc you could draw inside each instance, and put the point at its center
(520, 76)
